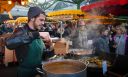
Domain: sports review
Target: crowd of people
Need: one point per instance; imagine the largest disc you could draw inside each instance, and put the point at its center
(113, 39)
(107, 38)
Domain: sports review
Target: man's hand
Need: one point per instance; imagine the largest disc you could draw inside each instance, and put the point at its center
(45, 36)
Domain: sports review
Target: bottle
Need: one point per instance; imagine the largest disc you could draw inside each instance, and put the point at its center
(104, 66)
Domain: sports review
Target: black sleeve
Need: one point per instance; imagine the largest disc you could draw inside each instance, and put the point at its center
(20, 38)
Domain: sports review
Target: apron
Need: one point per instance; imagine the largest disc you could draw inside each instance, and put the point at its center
(33, 59)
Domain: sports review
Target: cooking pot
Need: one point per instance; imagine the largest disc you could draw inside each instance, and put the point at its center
(65, 68)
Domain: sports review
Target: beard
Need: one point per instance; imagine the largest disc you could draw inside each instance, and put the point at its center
(37, 27)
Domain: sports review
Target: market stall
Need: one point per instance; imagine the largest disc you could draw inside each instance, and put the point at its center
(117, 13)
(6, 6)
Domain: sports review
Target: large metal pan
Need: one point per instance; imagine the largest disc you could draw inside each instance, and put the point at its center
(65, 68)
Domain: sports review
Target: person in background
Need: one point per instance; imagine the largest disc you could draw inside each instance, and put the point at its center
(126, 45)
(3, 28)
(112, 33)
(102, 43)
(9, 28)
(120, 40)
(28, 43)
(78, 35)
(6, 28)
(54, 33)
(1, 31)
(67, 28)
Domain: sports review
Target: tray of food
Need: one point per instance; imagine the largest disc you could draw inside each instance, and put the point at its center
(95, 61)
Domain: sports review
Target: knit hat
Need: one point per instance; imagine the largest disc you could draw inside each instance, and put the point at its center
(34, 11)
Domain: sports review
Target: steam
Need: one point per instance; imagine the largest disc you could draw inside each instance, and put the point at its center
(86, 35)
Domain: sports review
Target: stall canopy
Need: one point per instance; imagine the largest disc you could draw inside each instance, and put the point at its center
(95, 17)
(65, 15)
(115, 7)
(65, 12)
(22, 20)
(11, 21)
(104, 3)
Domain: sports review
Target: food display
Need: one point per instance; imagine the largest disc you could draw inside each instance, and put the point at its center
(94, 60)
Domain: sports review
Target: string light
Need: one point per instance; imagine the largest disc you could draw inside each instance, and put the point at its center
(30, 0)
(9, 2)
(23, 2)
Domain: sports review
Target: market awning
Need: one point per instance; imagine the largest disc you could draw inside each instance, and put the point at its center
(11, 21)
(95, 17)
(104, 3)
(65, 12)
(22, 20)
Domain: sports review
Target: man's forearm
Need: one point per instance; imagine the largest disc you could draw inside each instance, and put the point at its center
(21, 39)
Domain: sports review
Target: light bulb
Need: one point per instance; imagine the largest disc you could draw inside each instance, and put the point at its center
(23, 3)
(9, 2)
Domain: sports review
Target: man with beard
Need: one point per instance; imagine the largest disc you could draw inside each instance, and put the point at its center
(28, 43)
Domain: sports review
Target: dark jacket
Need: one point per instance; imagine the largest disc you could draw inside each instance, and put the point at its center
(102, 45)
(20, 41)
